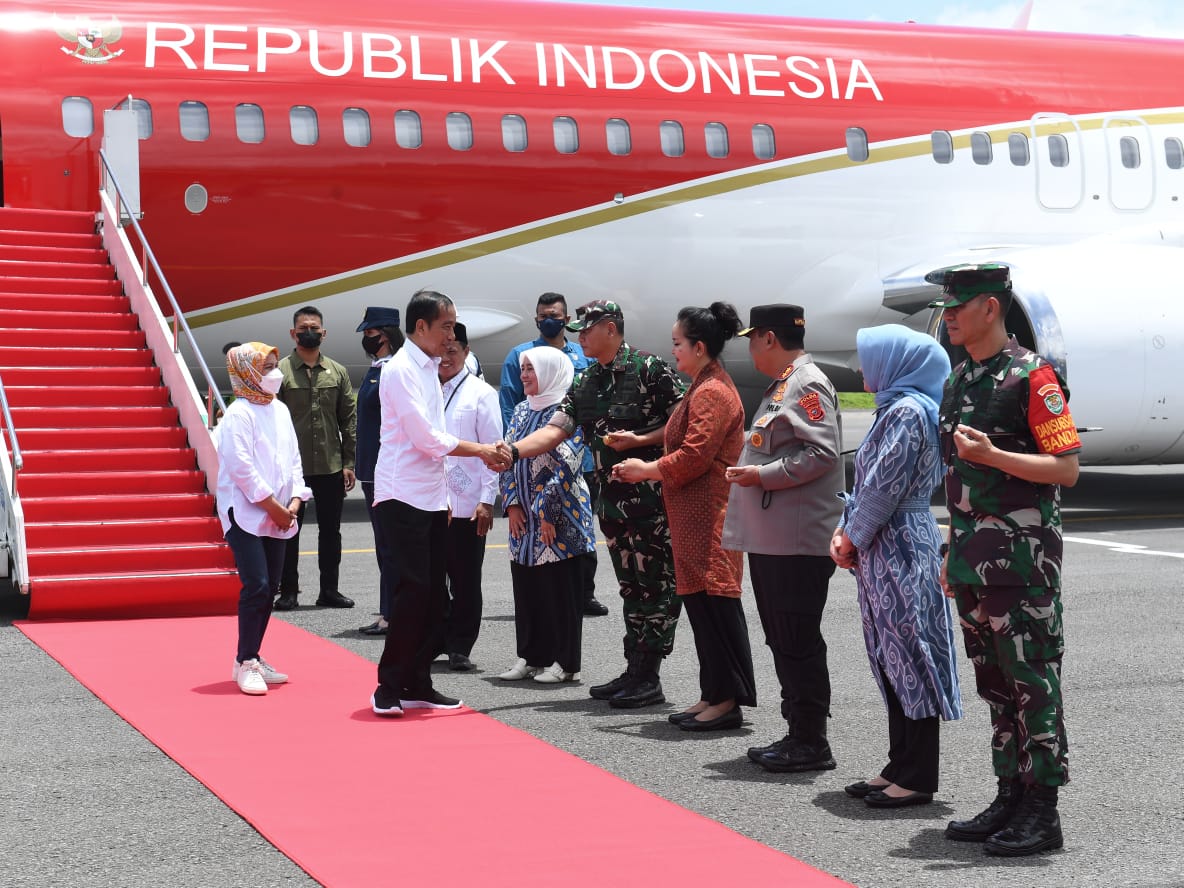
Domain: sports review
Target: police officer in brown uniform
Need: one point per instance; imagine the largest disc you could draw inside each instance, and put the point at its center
(782, 509)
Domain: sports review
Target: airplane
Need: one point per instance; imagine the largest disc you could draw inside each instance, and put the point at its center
(348, 155)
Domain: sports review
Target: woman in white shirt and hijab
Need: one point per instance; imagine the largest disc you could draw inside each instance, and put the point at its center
(260, 489)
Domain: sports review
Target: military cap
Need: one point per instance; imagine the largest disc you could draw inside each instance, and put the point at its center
(781, 316)
(379, 317)
(461, 333)
(961, 283)
(593, 312)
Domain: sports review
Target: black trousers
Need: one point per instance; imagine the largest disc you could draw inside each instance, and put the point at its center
(417, 543)
(721, 641)
(912, 746)
(258, 560)
(385, 581)
(466, 555)
(329, 493)
(790, 597)
(549, 612)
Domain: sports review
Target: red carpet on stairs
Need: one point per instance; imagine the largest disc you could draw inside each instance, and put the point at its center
(265, 758)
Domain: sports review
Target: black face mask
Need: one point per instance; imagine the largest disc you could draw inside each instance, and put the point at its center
(372, 345)
(308, 339)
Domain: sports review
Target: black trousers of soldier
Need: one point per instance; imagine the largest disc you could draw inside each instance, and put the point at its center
(466, 555)
(913, 748)
(549, 612)
(790, 595)
(329, 493)
(721, 642)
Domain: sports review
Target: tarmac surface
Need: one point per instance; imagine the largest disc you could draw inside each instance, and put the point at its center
(85, 800)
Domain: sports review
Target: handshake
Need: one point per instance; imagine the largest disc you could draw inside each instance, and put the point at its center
(497, 457)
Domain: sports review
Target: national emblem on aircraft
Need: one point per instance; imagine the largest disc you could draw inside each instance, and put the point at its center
(89, 42)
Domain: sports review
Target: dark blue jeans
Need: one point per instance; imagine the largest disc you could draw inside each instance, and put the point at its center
(260, 561)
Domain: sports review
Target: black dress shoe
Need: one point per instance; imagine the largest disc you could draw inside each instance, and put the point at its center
(374, 628)
(638, 694)
(880, 799)
(285, 602)
(593, 608)
(675, 717)
(729, 721)
(755, 752)
(459, 663)
(796, 756)
(605, 691)
(861, 789)
(334, 599)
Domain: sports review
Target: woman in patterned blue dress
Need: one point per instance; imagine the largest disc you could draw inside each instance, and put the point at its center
(888, 537)
(549, 511)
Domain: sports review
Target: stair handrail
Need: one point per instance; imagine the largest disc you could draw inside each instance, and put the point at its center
(180, 325)
(10, 501)
(18, 461)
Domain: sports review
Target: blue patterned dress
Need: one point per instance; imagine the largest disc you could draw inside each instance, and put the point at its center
(906, 618)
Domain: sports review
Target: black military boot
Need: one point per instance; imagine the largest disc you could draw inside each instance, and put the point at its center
(986, 823)
(1035, 827)
(646, 687)
(805, 749)
(755, 752)
(609, 688)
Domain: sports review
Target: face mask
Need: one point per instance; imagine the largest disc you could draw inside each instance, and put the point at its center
(372, 345)
(308, 339)
(272, 381)
(550, 327)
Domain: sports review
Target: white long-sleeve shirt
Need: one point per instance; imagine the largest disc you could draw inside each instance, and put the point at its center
(258, 456)
(472, 413)
(413, 440)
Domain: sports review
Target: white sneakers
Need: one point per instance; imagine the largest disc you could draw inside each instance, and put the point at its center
(519, 671)
(253, 676)
(554, 674)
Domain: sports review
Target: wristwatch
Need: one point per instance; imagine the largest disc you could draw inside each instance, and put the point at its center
(944, 550)
(514, 457)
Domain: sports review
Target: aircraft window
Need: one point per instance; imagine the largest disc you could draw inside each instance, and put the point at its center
(248, 123)
(514, 132)
(567, 135)
(981, 149)
(1017, 148)
(355, 123)
(717, 139)
(1173, 150)
(195, 121)
(460, 130)
(143, 115)
(1128, 147)
(943, 146)
(764, 144)
(857, 150)
(674, 144)
(78, 117)
(303, 121)
(616, 131)
(1058, 150)
(408, 129)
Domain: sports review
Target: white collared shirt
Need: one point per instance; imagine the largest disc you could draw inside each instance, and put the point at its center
(413, 440)
(472, 413)
(258, 457)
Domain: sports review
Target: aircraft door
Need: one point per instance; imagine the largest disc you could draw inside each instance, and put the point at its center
(1130, 162)
(1060, 162)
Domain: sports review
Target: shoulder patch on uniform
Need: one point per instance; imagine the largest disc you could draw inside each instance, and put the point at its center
(812, 404)
(1052, 397)
(763, 421)
(786, 373)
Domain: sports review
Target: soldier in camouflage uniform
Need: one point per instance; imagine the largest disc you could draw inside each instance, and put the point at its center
(622, 401)
(1009, 443)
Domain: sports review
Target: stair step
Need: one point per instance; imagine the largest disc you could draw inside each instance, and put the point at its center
(91, 417)
(23, 337)
(148, 594)
(44, 563)
(63, 285)
(64, 240)
(119, 507)
(48, 377)
(72, 302)
(70, 485)
(46, 253)
(32, 356)
(94, 271)
(93, 396)
(70, 221)
(82, 440)
(38, 462)
(158, 532)
(33, 317)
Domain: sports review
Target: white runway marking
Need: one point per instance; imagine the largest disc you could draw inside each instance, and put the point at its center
(1125, 548)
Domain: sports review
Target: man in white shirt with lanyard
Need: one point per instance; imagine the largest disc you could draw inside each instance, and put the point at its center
(411, 498)
(471, 412)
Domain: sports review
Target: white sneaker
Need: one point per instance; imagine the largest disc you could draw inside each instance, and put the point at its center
(519, 671)
(249, 677)
(554, 674)
(271, 675)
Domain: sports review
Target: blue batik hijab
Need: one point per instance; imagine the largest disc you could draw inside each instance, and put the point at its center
(898, 361)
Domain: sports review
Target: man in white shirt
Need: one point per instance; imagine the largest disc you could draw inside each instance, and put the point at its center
(411, 498)
(471, 412)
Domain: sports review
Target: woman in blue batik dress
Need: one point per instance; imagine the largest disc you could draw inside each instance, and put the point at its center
(548, 507)
(888, 537)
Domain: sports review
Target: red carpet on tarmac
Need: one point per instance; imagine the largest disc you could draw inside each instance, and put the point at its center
(299, 765)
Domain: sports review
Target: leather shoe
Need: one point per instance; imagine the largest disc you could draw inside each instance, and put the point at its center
(638, 694)
(609, 688)
(459, 663)
(593, 608)
(796, 756)
(862, 789)
(374, 628)
(755, 752)
(334, 599)
(729, 721)
(676, 717)
(880, 799)
(286, 602)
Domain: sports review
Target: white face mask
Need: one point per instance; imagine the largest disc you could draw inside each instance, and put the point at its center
(272, 381)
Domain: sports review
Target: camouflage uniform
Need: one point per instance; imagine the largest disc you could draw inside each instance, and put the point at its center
(636, 393)
(1004, 563)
